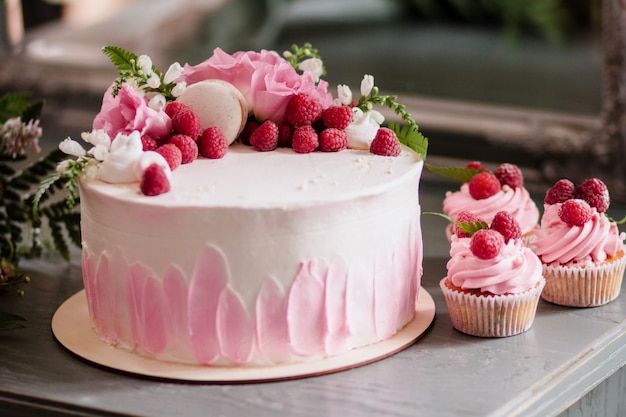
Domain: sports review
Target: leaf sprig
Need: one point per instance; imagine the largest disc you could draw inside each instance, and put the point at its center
(302, 53)
(461, 174)
(130, 70)
(410, 136)
(468, 228)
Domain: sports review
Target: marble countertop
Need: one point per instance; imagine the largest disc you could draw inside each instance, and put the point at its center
(541, 372)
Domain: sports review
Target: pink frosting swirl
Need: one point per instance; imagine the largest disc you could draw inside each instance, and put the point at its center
(516, 201)
(557, 242)
(516, 269)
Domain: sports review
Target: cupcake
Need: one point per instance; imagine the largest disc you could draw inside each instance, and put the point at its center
(494, 281)
(486, 193)
(581, 249)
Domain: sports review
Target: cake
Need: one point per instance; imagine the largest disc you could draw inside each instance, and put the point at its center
(485, 193)
(581, 248)
(494, 281)
(238, 251)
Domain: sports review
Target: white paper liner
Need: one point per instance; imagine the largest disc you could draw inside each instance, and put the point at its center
(492, 315)
(589, 286)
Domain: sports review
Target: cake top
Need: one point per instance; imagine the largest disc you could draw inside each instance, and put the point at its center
(153, 124)
(491, 258)
(575, 229)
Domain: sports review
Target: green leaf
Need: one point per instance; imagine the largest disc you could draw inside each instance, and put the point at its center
(410, 136)
(120, 57)
(32, 112)
(468, 228)
(461, 174)
(9, 321)
(12, 105)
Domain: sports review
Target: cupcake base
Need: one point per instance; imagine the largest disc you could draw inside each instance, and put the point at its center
(491, 315)
(589, 286)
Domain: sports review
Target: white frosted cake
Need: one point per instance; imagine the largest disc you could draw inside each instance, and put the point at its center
(256, 257)
(238, 250)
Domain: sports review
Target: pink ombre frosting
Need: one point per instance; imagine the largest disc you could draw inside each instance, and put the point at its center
(559, 243)
(256, 258)
(516, 201)
(516, 269)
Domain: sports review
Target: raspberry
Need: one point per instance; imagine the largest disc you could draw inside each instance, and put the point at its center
(486, 243)
(575, 212)
(285, 135)
(172, 155)
(594, 192)
(305, 139)
(338, 117)
(188, 123)
(465, 216)
(188, 147)
(385, 143)
(510, 175)
(333, 140)
(154, 181)
(174, 107)
(212, 143)
(265, 137)
(244, 136)
(302, 109)
(561, 191)
(483, 185)
(504, 223)
(476, 165)
(148, 143)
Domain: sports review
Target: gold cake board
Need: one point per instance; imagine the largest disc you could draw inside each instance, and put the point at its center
(72, 328)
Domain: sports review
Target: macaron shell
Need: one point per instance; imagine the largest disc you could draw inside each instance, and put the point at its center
(217, 103)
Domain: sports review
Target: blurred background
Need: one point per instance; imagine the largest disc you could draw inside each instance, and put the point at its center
(516, 81)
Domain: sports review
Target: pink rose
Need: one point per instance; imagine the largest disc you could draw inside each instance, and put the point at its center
(266, 80)
(129, 111)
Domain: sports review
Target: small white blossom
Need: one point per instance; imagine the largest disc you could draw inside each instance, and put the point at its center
(154, 81)
(145, 63)
(157, 102)
(377, 117)
(367, 84)
(99, 152)
(97, 137)
(314, 65)
(63, 166)
(344, 95)
(91, 170)
(179, 89)
(173, 73)
(71, 147)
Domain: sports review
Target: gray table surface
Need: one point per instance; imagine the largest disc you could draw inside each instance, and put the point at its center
(445, 373)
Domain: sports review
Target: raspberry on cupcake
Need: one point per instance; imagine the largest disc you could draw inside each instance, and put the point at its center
(494, 281)
(485, 193)
(581, 249)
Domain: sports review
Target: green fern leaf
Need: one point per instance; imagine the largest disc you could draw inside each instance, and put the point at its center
(120, 57)
(408, 135)
(461, 174)
(32, 112)
(58, 238)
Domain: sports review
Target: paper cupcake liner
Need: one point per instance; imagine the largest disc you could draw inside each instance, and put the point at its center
(590, 286)
(492, 315)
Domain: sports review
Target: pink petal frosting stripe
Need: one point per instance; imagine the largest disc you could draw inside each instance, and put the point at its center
(209, 279)
(337, 328)
(271, 323)
(305, 313)
(234, 328)
(152, 321)
(175, 291)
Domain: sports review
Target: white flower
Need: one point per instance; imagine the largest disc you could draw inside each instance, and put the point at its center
(91, 170)
(344, 95)
(157, 102)
(173, 72)
(119, 164)
(377, 117)
(71, 147)
(97, 137)
(154, 81)
(315, 65)
(99, 152)
(178, 90)
(63, 166)
(145, 63)
(366, 85)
